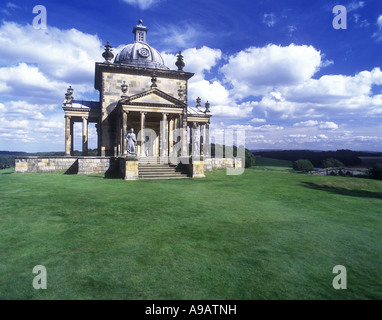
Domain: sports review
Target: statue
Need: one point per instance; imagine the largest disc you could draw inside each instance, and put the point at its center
(196, 144)
(147, 146)
(131, 143)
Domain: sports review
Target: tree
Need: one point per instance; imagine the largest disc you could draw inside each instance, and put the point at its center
(302, 165)
(249, 158)
(376, 171)
(331, 162)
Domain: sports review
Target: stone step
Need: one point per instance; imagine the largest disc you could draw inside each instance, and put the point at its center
(162, 177)
(161, 171)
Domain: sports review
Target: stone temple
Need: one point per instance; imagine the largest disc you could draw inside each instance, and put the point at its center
(145, 127)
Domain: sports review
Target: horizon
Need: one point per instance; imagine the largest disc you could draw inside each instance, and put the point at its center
(252, 150)
(289, 77)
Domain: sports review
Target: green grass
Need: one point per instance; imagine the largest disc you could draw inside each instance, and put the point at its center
(261, 235)
(268, 164)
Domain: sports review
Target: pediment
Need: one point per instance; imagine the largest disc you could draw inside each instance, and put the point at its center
(153, 97)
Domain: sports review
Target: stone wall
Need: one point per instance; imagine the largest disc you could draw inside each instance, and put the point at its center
(48, 164)
(222, 163)
(80, 165)
(92, 165)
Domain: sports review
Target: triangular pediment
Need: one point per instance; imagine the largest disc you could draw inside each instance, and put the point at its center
(153, 96)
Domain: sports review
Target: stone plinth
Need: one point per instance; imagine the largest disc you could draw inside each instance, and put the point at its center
(197, 169)
(129, 168)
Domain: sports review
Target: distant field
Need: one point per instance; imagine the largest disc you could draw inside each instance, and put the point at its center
(266, 234)
(268, 162)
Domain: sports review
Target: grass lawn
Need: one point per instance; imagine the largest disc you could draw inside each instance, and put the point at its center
(266, 234)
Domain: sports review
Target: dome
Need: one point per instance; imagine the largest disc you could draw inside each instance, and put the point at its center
(140, 53)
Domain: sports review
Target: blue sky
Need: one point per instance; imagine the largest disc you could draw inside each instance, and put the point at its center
(277, 69)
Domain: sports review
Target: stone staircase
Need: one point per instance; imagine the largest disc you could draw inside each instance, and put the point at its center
(151, 168)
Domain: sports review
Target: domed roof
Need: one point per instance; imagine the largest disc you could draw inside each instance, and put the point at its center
(140, 53)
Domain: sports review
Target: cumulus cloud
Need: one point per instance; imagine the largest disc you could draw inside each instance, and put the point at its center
(199, 61)
(256, 70)
(22, 123)
(309, 123)
(327, 125)
(50, 58)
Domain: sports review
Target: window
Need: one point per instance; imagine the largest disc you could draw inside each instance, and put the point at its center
(141, 36)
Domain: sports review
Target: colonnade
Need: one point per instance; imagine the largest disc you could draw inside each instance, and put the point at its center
(69, 133)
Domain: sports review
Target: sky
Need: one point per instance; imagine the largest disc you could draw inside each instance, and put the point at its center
(294, 74)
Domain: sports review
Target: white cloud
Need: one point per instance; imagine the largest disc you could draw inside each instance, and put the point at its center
(268, 127)
(335, 91)
(327, 125)
(53, 57)
(355, 5)
(257, 70)
(309, 123)
(269, 19)
(258, 120)
(27, 81)
(379, 22)
(142, 4)
(198, 61)
(378, 35)
(178, 36)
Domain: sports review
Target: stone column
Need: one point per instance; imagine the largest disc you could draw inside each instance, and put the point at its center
(71, 136)
(183, 126)
(202, 140)
(68, 138)
(143, 135)
(171, 136)
(208, 146)
(191, 148)
(124, 132)
(164, 135)
(84, 136)
(99, 133)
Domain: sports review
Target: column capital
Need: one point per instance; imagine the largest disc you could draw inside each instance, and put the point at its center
(67, 117)
(143, 112)
(85, 118)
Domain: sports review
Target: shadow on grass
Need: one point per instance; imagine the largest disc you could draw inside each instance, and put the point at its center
(343, 191)
(7, 172)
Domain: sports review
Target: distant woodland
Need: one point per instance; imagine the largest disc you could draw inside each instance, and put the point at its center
(347, 157)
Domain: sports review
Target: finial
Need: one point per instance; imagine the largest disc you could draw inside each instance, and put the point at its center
(207, 105)
(124, 88)
(198, 105)
(108, 55)
(180, 63)
(69, 96)
(140, 21)
(154, 80)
